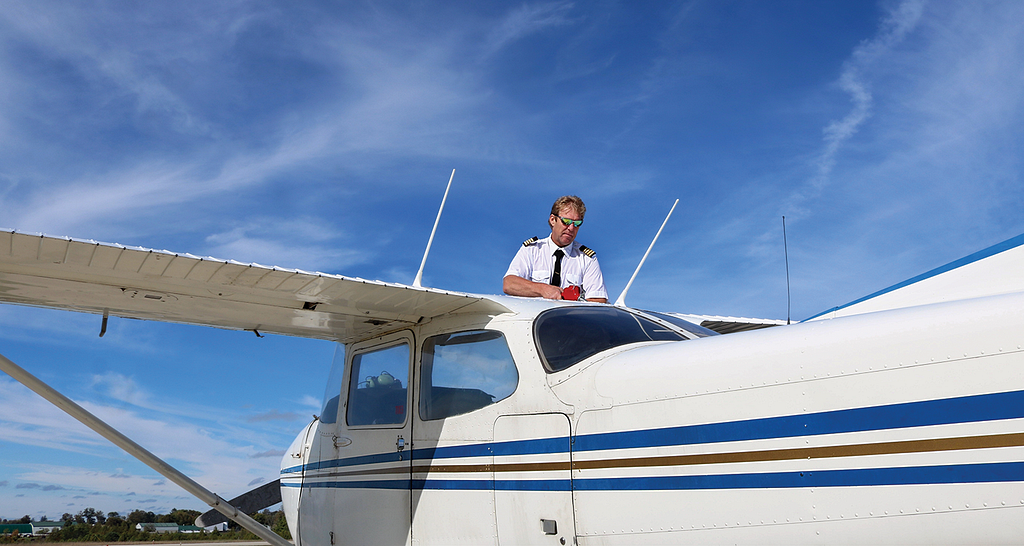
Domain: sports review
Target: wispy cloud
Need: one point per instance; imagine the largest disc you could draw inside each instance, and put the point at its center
(301, 243)
(90, 38)
(271, 454)
(35, 423)
(525, 20)
(401, 99)
(120, 387)
(854, 81)
(273, 416)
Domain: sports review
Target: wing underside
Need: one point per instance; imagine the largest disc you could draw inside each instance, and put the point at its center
(80, 275)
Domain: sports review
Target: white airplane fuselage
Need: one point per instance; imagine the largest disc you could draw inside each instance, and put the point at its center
(902, 426)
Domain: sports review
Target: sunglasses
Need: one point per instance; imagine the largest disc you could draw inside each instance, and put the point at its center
(571, 222)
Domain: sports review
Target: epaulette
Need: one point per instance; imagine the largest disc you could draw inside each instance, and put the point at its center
(587, 251)
(529, 242)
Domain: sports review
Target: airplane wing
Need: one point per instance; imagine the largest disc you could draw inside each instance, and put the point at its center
(998, 269)
(133, 282)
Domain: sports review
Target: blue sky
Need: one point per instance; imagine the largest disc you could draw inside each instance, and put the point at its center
(320, 136)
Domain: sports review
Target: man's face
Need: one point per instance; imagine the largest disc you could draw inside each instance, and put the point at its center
(563, 234)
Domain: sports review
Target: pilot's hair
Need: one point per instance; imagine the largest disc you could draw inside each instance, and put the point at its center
(570, 201)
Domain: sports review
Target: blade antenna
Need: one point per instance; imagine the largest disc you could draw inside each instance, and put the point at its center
(120, 440)
(417, 282)
(785, 245)
(621, 301)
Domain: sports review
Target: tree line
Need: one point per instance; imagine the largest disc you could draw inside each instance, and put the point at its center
(92, 525)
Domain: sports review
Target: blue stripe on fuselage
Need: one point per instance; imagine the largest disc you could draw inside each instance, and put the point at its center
(978, 408)
(914, 475)
(985, 407)
(856, 477)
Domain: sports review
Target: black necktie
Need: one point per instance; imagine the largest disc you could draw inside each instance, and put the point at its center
(556, 277)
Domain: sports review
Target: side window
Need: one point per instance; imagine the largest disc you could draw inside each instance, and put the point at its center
(378, 387)
(465, 371)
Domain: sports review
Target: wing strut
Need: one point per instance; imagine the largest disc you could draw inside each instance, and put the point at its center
(139, 452)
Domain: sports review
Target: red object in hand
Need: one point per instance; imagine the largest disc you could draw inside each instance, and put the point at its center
(571, 293)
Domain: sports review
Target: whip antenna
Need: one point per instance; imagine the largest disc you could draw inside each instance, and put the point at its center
(419, 274)
(621, 301)
(785, 246)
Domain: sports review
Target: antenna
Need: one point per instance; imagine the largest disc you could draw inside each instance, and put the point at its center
(785, 245)
(621, 301)
(417, 282)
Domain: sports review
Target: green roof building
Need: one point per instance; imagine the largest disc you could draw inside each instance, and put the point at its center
(20, 528)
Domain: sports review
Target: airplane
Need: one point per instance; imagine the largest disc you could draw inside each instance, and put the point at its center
(458, 418)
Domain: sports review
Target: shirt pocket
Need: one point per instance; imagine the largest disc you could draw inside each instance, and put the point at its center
(543, 276)
(574, 279)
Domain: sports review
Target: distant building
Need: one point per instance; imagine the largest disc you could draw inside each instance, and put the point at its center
(157, 527)
(46, 527)
(167, 528)
(222, 526)
(19, 528)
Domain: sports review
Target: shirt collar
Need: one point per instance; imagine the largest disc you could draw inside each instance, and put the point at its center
(570, 250)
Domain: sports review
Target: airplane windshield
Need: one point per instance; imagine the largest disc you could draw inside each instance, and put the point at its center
(569, 335)
(332, 394)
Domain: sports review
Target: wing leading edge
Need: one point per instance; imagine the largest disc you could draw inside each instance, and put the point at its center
(133, 282)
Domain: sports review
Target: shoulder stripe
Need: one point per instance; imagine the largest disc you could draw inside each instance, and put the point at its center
(587, 251)
(529, 242)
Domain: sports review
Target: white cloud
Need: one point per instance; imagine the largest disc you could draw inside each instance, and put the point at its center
(120, 387)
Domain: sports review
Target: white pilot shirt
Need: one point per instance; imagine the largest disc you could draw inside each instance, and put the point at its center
(535, 261)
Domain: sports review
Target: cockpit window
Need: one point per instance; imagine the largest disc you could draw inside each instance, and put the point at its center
(463, 372)
(568, 335)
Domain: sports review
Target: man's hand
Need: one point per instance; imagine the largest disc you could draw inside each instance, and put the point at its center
(518, 286)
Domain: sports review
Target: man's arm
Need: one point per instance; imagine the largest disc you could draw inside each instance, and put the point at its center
(514, 285)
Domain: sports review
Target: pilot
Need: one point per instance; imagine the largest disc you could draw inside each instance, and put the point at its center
(556, 266)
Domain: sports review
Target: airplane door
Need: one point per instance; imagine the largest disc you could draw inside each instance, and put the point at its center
(319, 444)
(306, 504)
(316, 501)
(532, 480)
(372, 473)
